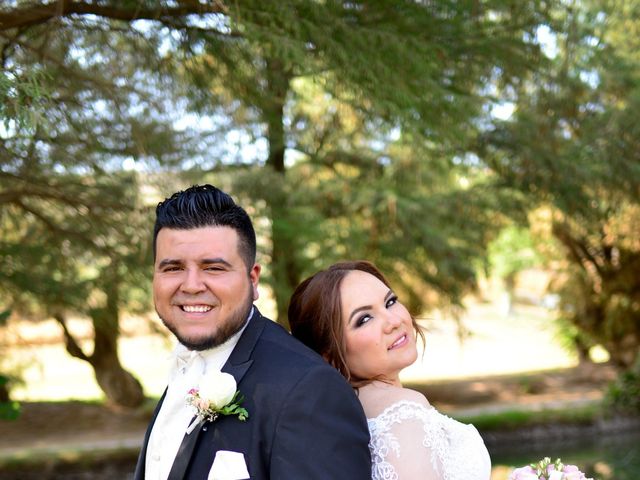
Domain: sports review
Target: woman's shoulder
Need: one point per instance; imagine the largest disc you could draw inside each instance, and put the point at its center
(378, 397)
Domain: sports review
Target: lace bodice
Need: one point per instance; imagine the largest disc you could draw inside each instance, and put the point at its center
(411, 441)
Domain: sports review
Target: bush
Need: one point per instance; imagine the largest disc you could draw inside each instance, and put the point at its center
(624, 393)
(8, 410)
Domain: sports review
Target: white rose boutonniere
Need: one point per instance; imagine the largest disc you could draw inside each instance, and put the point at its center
(217, 396)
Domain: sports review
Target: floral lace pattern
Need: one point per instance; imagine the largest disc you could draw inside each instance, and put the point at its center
(456, 450)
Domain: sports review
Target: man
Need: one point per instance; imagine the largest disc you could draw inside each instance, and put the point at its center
(304, 421)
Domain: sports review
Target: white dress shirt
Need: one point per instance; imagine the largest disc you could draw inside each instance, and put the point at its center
(187, 370)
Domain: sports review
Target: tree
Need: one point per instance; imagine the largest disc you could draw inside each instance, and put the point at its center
(75, 228)
(417, 67)
(19, 91)
(373, 62)
(63, 263)
(572, 146)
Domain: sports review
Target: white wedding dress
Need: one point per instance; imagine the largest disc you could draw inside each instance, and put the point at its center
(412, 441)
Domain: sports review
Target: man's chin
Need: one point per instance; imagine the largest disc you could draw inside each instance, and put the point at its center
(195, 338)
(198, 343)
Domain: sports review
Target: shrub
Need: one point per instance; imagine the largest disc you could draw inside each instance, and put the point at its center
(623, 394)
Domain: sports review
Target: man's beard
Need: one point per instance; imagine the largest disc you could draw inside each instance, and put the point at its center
(234, 322)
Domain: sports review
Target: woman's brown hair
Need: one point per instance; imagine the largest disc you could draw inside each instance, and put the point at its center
(315, 313)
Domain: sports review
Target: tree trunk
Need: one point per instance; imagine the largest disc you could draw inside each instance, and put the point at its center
(120, 387)
(4, 391)
(285, 270)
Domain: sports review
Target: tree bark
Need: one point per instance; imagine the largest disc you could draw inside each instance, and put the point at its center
(4, 393)
(120, 386)
(285, 270)
(37, 14)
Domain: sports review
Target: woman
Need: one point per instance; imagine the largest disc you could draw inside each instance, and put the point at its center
(349, 314)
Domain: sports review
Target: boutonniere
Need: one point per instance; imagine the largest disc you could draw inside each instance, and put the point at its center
(218, 395)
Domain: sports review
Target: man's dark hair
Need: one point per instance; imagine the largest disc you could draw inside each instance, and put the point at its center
(206, 206)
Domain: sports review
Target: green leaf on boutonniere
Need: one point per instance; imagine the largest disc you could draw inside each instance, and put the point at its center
(234, 408)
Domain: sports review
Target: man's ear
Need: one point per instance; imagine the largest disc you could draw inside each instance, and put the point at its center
(254, 277)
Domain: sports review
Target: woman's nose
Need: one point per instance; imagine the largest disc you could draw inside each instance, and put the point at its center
(392, 322)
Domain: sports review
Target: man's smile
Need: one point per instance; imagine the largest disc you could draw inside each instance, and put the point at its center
(196, 308)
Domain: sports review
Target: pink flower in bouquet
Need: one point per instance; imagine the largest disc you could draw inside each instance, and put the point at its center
(546, 470)
(573, 473)
(524, 473)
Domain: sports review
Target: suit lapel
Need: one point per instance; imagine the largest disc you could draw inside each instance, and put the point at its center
(237, 365)
(240, 359)
(185, 452)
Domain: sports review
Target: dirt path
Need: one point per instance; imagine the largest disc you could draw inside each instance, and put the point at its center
(535, 391)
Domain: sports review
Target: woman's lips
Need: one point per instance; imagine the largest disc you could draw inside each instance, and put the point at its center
(399, 342)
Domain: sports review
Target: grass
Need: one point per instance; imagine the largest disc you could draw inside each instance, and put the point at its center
(516, 419)
(61, 460)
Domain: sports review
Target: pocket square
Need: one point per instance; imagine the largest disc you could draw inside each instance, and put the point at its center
(228, 465)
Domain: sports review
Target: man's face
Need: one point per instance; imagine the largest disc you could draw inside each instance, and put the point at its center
(201, 288)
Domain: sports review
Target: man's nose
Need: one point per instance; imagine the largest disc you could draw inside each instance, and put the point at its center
(192, 281)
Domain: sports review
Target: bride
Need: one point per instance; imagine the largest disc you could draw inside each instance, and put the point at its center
(349, 314)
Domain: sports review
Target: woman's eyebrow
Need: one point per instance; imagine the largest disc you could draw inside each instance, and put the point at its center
(357, 310)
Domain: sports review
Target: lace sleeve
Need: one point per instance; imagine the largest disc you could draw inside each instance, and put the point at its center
(411, 441)
(409, 459)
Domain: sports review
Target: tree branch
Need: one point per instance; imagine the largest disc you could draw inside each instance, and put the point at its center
(70, 343)
(39, 14)
(577, 249)
(64, 233)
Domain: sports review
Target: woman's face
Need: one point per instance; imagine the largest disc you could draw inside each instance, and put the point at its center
(379, 335)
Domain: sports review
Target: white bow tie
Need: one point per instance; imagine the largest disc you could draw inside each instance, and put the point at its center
(187, 360)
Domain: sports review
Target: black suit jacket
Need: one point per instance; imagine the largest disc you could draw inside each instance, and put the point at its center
(304, 423)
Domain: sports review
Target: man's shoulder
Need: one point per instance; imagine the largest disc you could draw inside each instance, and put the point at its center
(276, 340)
(284, 360)
(289, 364)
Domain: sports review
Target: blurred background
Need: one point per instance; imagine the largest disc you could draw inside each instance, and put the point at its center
(484, 154)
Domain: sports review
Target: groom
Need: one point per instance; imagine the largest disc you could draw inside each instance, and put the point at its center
(304, 421)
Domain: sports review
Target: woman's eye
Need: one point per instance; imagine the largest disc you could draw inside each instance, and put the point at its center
(392, 301)
(363, 319)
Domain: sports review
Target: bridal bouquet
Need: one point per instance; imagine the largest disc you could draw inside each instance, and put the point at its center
(546, 470)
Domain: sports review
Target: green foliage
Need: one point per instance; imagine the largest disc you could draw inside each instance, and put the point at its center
(23, 98)
(512, 251)
(571, 148)
(74, 221)
(8, 410)
(623, 394)
(364, 109)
